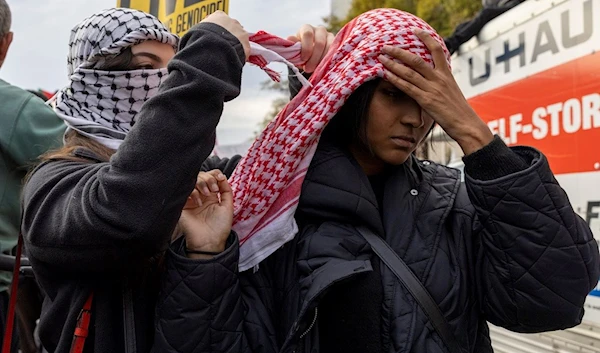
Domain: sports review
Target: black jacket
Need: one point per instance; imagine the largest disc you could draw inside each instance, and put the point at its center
(103, 226)
(507, 248)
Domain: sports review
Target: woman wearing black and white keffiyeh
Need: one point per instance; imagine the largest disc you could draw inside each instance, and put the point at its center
(99, 213)
(113, 69)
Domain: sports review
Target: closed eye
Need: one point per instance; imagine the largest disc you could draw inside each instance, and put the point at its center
(393, 93)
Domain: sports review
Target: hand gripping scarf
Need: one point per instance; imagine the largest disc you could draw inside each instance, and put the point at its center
(103, 105)
(268, 180)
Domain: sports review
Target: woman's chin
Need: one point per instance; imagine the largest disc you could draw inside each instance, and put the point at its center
(396, 158)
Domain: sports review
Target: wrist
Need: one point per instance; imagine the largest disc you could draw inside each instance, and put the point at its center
(205, 247)
(475, 138)
(200, 254)
(203, 251)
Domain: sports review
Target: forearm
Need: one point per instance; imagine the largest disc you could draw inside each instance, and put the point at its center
(473, 136)
(539, 259)
(157, 164)
(133, 202)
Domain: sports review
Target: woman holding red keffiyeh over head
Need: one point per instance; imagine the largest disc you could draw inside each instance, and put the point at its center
(346, 242)
(99, 213)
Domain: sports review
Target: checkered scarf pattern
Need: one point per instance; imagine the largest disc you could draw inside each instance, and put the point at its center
(268, 180)
(103, 105)
(266, 48)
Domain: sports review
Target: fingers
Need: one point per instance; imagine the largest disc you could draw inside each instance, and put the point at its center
(233, 26)
(318, 49)
(223, 195)
(403, 85)
(306, 35)
(193, 201)
(406, 73)
(436, 49)
(315, 42)
(226, 193)
(414, 61)
(330, 39)
(207, 182)
(244, 38)
(210, 187)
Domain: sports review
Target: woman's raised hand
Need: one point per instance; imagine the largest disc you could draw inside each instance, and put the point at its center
(315, 45)
(233, 26)
(436, 91)
(208, 214)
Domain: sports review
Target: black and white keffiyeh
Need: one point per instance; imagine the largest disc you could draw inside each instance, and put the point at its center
(103, 105)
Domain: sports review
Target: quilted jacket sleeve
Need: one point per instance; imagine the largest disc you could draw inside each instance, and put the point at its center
(207, 306)
(538, 259)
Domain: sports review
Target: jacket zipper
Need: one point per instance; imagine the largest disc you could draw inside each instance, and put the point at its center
(303, 313)
(311, 325)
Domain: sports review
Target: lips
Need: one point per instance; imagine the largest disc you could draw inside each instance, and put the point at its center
(406, 138)
(404, 141)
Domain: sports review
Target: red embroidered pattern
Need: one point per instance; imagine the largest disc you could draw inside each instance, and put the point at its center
(268, 180)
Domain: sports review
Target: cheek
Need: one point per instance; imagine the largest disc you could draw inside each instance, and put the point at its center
(382, 118)
(377, 130)
(428, 124)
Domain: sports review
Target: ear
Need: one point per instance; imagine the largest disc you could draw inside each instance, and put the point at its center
(4, 44)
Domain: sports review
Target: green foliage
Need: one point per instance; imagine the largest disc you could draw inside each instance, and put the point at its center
(443, 15)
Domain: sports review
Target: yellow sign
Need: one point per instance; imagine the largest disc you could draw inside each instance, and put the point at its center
(178, 15)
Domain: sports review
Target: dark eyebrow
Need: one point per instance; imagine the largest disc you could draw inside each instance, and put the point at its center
(149, 56)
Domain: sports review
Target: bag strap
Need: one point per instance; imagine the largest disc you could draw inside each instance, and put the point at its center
(12, 301)
(128, 320)
(83, 324)
(414, 286)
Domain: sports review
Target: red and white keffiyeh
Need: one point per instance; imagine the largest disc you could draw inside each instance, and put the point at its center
(268, 180)
(266, 48)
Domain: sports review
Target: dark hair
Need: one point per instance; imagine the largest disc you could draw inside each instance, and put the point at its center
(121, 62)
(75, 140)
(349, 125)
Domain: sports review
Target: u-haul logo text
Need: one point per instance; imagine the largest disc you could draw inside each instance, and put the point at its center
(561, 34)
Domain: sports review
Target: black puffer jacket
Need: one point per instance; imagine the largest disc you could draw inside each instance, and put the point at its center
(509, 250)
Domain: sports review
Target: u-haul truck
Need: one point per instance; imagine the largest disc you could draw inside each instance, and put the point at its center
(533, 75)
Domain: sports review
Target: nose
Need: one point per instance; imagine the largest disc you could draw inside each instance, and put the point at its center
(413, 116)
